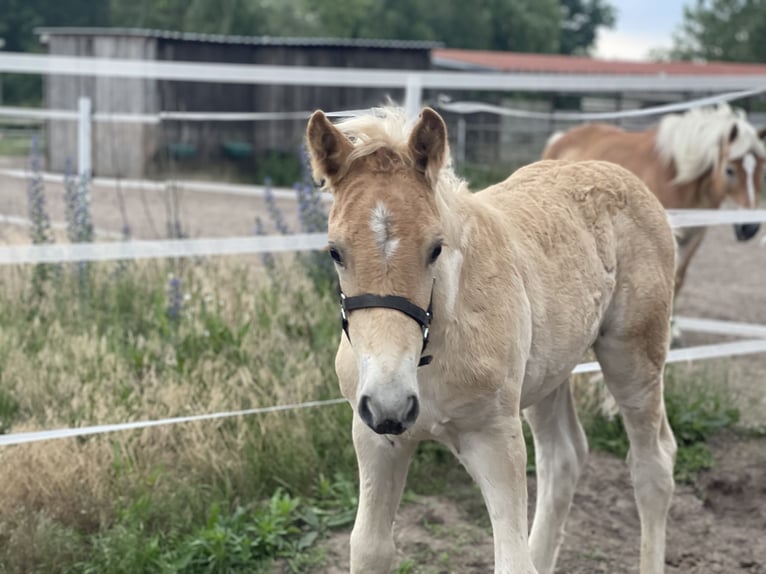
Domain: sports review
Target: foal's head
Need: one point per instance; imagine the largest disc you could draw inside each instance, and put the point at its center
(743, 173)
(385, 237)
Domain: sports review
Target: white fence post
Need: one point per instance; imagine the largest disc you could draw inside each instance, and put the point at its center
(84, 142)
(413, 95)
(461, 140)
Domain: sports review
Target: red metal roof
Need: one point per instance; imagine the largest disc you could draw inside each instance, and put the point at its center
(554, 63)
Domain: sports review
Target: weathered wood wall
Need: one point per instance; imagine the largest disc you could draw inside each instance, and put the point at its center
(118, 149)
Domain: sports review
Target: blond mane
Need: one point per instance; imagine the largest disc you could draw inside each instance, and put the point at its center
(389, 127)
(692, 140)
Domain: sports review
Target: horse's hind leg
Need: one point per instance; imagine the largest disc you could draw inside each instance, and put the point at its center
(632, 359)
(561, 451)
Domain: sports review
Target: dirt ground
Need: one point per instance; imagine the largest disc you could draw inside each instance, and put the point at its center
(147, 211)
(718, 528)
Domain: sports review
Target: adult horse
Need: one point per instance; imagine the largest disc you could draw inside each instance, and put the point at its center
(694, 160)
(505, 289)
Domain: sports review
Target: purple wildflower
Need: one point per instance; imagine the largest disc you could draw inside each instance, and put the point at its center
(38, 213)
(175, 298)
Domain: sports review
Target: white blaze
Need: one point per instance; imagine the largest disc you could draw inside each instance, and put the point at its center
(380, 223)
(748, 164)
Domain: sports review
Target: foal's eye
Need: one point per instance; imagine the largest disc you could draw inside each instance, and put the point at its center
(335, 254)
(435, 252)
(730, 171)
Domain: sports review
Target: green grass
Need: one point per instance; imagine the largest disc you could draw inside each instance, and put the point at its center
(480, 176)
(696, 410)
(15, 146)
(100, 346)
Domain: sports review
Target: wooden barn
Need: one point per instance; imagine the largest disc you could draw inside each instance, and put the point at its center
(138, 150)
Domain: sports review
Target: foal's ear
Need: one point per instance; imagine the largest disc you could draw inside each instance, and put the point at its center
(733, 133)
(328, 147)
(428, 144)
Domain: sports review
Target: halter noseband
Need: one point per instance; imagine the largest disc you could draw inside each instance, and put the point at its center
(401, 304)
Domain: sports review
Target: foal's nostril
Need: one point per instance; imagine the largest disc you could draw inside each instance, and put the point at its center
(746, 231)
(413, 410)
(364, 411)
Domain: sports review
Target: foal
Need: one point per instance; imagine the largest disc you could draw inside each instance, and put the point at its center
(694, 160)
(460, 310)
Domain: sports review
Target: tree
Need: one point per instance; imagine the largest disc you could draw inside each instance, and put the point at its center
(522, 25)
(19, 18)
(728, 30)
(580, 23)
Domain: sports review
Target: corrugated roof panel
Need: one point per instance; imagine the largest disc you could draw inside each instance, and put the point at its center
(243, 40)
(559, 64)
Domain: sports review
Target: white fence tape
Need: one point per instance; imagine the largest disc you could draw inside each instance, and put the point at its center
(136, 118)
(217, 72)
(443, 103)
(717, 351)
(675, 356)
(705, 217)
(718, 327)
(69, 252)
(37, 436)
(476, 107)
(257, 191)
(113, 251)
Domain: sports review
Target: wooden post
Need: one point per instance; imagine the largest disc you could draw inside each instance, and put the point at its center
(413, 95)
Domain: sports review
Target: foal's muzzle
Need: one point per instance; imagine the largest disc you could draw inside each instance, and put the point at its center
(746, 231)
(389, 419)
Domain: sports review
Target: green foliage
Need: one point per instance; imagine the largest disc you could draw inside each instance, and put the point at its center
(480, 176)
(565, 26)
(178, 512)
(21, 17)
(728, 30)
(406, 567)
(246, 539)
(695, 410)
(581, 22)
(9, 410)
(281, 168)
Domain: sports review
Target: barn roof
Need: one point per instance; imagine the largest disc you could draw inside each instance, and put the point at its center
(240, 40)
(558, 64)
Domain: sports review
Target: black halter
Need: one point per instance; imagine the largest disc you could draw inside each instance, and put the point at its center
(401, 304)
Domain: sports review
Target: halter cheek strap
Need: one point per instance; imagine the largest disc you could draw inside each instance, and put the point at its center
(368, 301)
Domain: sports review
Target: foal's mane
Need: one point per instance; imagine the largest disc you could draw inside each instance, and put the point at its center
(389, 128)
(692, 140)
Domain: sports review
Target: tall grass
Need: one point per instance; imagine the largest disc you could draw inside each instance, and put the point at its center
(229, 339)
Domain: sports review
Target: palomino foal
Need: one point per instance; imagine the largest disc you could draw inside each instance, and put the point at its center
(508, 288)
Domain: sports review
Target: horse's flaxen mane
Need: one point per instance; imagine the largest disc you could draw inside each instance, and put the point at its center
(692, 141)
(389, 127)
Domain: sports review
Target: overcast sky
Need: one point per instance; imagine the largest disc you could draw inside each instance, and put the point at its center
(641, 26)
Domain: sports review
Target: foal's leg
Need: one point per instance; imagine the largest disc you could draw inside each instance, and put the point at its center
(561, 451)
(496, 458)
(383, 463)
(633, 372)
(687, 246)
